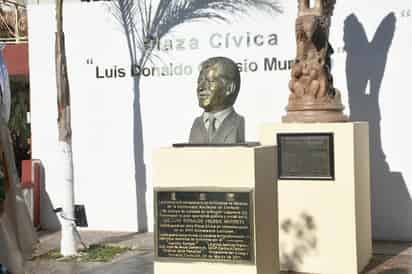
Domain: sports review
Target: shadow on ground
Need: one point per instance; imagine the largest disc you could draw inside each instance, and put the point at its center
(135, 264)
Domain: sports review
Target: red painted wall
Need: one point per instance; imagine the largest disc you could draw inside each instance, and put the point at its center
(17, 59)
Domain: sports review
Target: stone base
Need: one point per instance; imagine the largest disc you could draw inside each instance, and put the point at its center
(325, 225)
(223, 169)
(314, 116)
(309, 109)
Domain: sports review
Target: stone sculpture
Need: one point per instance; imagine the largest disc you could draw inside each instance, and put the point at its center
(313, 97)
(217, 90)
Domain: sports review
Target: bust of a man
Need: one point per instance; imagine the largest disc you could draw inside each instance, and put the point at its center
(217, 89)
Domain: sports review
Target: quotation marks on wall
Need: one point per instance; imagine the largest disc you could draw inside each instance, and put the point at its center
(406, 13)
(340, 50)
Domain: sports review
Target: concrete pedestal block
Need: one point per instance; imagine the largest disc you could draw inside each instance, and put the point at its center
(221, 170)
(325, 225)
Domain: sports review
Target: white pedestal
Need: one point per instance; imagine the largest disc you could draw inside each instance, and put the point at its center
(224, 169)
(325, 226)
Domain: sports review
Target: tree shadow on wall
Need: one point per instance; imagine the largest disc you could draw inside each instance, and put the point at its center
(48, 218)
(298, 240)
(366, 62)
(144, 23)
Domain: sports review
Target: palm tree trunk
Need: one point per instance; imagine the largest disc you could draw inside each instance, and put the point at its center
(68, 243)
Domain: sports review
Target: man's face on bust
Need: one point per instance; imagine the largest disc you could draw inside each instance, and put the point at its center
(212, 88)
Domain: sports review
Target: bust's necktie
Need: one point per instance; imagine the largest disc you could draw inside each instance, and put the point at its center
(211, 129)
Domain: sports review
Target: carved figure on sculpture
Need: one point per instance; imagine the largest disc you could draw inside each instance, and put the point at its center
(217, 90)
(313, 98)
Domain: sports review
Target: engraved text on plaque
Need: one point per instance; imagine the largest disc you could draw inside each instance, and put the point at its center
(204, 226)
(306, 156)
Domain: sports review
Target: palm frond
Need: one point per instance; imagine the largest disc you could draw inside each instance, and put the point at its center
(173, 13)
(141, 21)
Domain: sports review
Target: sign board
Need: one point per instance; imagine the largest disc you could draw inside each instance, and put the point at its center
(204, 226)
(305, 156)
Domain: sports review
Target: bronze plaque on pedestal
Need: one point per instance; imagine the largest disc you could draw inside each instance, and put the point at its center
(204, 226)
(307, 156)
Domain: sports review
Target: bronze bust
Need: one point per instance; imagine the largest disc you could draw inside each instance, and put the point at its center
(218, 86)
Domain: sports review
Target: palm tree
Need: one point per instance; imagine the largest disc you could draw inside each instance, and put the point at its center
(68, 244)
(143, 22)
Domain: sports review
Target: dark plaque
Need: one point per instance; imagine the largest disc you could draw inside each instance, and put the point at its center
(205, 226)
(306, 156)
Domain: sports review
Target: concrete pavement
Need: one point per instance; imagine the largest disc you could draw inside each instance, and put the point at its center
(389, 257)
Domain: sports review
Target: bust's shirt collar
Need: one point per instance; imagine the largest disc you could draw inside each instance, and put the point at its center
(220, 116)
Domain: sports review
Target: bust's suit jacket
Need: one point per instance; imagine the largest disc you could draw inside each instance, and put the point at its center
(231, 131)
